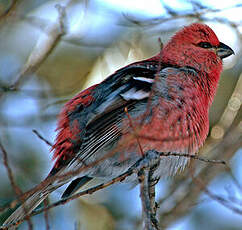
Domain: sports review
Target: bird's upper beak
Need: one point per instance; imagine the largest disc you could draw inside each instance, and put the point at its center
(224, 51)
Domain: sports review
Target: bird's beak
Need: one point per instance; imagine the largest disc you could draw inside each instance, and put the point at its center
(224, 51)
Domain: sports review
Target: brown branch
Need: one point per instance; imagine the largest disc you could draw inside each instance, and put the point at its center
(120, 178)
(226, 203)
(152, 182)
(147, 189)
(9, 11)
(145, 199)
(46, 214)
(173, 15)
(51, 179)
(213, 161)
(15, 187)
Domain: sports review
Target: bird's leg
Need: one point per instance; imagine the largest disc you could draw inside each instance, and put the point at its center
(150, 160)
(146, 168)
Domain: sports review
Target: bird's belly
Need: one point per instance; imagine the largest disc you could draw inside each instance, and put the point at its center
(116, 165)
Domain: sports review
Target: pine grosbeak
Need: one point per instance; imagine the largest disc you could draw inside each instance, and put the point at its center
(166, 98)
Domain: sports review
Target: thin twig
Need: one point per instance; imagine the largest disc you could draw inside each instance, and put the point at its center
(9, 11)
(15, 187)
(195, 157)
(17, 190)
(41, 137)
(46, 214)
(219, 199)
(134, 131)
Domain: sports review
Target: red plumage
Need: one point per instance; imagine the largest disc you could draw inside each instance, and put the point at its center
(67, 132)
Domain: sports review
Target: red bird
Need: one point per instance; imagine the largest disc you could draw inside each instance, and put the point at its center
(166, 98)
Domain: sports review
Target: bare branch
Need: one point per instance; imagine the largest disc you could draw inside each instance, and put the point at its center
(9, 11)
(226, 203)
(145, 198)
(46, 215)
(41, 137)
(17, 190)
(15, 187)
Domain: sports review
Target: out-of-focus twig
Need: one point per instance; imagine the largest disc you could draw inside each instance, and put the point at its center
(41, 137)
(199, 14)
(42, 49)
(227, 203)
(188, 191)
(9, 171)
(15, 187)
(46, 214)
(9, 11)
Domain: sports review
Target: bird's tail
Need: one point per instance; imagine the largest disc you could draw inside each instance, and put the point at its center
(30, 204)
(25, 209)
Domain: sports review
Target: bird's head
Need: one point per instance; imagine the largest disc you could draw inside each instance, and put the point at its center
(197, 46)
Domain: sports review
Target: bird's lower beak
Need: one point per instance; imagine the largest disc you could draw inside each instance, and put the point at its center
(224, 51)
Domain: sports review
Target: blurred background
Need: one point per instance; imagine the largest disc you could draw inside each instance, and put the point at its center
(50, 50)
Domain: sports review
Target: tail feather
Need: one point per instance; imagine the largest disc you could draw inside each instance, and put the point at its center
(26, 208)
(75, 185)
(31, 203)
(34, 200)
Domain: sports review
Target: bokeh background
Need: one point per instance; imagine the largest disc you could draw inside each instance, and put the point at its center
(50, 50)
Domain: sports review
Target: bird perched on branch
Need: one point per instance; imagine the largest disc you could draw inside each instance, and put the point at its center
(160, 104)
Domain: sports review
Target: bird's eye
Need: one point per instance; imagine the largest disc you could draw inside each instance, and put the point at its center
(205, 45)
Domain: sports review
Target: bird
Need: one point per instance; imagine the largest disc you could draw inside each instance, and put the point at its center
(161, 103)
